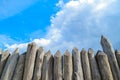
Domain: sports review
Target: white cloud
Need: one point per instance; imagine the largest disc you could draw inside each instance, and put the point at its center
(80, 23)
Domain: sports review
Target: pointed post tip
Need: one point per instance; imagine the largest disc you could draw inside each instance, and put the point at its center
(58, 53)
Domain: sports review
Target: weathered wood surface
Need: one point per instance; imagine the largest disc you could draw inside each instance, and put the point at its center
(85, 65)
(30, 61)
(95, 74)
(39, 63)
(0, 53)
(77, 65)
(108, 49)
(18, 74)
(47, 72)
(118, 57)
(58, 66)
(10, 66)
(104, 66)
(3, 60)
(68, 66)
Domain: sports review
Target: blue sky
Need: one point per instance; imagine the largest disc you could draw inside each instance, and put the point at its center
(59, 24)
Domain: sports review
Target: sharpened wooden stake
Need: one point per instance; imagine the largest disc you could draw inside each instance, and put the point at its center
(85, 65)
(18, 74)
(10, 66)
(68, 66)
(39, 64)
(104, 66)
(93, 65)
(47, 72)
(58, 66)
(108, 49)
(30, 61)
(3, 60)
(118, 57)
(77, 71)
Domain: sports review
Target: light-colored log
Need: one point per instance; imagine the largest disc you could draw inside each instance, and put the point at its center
(68, 66)
(58, 66)
(77, 71)
(30, 61)
(10, 66)
(104, 66)
(18, 74)
(118, 57)
(93, 65)
(39, 64)
(47, 72)
(3, 60)
(108, 49)
(85, 65)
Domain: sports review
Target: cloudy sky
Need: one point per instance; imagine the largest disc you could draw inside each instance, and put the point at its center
(59, 24)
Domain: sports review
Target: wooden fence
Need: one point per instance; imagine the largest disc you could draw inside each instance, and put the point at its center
(36, 64)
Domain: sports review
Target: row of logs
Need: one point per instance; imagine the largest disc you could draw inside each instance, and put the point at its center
(36, 64)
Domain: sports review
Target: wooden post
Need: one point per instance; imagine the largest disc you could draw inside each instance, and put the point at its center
(104, 66)
(3, 60)
(10, 66)
(85, 65)
(108, 49)
(93, 65)
(39, 64)
(0, 53)
(30, 61)
(18, 74)
(58, 66)
(77, 71)
(47, 72)
(118, 57)
(68, 69)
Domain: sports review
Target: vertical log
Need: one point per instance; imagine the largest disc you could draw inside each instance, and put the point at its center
(18, 74)
(39, 64)
(104, 66)
(93, 65)
(118, 57)
(108, 49)
(47, 72)
(77, 71)
(3, 60)
(85, 64)
(30, 61)
(10, 66)
(68, 69)
(0, 53)
(58, 66)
